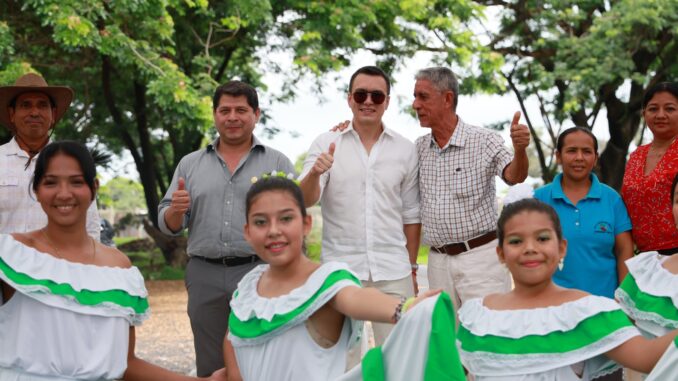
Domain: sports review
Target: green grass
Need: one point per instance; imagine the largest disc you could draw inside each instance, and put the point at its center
(153, 267)
(123, 240)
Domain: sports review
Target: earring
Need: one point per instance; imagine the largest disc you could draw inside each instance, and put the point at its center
(561, 264)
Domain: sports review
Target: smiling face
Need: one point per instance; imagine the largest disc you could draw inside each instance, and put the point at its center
(235, 120)
(661, 115)
(32, 117)
(531, 249)
(276, 228)
(577, 156)
(63, 191)
(433, 107)
(368, 112)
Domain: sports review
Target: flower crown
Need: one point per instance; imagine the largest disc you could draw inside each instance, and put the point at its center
(281, 174)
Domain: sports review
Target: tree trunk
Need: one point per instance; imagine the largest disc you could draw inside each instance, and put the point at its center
(173, 248)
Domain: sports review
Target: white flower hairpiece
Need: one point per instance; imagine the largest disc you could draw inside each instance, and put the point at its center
(518, 192)
(281, 174)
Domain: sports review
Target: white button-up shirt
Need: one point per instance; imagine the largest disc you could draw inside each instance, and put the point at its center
(20, 211)
(366, 200)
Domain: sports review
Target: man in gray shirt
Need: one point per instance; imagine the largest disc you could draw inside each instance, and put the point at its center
(207, 195)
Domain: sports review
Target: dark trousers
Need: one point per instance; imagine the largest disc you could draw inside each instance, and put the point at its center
(210, 287)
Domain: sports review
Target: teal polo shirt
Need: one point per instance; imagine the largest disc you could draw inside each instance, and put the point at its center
(590, 228)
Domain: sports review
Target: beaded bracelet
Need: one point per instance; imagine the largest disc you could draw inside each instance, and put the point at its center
(397, 314)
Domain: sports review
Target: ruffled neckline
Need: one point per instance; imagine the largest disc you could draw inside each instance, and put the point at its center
(80, 276)
(652, 278)
(82, 288)
(481, 320)
(249, 304)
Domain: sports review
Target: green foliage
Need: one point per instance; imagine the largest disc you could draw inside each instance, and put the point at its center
(123, 195)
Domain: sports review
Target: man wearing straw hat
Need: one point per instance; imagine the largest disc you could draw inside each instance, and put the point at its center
(29, 109)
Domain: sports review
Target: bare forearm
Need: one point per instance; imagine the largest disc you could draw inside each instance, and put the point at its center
(366, 304)
(516, 171)
(310, 187)
(623, 248)
(230, 360)
(413, 237)
(140, 370)
(641, 354)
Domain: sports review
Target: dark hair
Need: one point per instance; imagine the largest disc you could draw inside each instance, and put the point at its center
(673, 188)
(236, 89)
(274, 183)
(72, 149)
(561, 138)
(373, 71)
(527, 205)
(442, 79)
(669, 87)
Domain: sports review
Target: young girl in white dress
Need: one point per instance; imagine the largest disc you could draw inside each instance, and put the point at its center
(649, 296)
(293, 319)
(68, 304)
(540, 331)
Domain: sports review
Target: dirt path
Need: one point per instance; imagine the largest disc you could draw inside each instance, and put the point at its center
(166, 339)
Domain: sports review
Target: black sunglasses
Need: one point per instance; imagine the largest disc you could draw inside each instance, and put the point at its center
(378, 97)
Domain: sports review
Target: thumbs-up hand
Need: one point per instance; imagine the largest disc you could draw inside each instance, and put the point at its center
(520, 134)
(324, 162)
(181, 201)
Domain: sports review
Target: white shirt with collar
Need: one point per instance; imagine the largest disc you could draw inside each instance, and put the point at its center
(20, 211)
(366, 200)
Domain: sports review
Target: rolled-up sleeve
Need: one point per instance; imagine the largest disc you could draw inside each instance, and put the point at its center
(410, 190)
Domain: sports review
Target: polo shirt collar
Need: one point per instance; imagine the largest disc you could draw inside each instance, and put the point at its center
(594, 192)
(458, 138)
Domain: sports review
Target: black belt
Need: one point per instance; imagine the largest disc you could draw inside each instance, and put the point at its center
(229, 261)
(460, 247)
(671, 251)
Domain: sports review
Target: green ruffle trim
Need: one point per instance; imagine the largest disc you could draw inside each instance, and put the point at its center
(84, 297)
(442, 361)
(256, 327)
(660, 305)
(587, 332)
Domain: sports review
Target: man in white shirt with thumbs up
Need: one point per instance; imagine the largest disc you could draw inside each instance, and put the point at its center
(366, 179)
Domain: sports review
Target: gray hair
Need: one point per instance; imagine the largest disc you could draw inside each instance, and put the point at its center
(442, 79)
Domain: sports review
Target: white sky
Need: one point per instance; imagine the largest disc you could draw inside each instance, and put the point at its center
(305, 118)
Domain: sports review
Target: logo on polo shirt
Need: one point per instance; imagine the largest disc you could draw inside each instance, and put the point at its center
(603, 227)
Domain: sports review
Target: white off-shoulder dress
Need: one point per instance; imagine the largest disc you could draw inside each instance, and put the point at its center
(649, 295)
(66, 321)
(271, 340)
(559, 343)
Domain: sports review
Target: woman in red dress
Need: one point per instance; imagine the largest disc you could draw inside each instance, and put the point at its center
(649, 173)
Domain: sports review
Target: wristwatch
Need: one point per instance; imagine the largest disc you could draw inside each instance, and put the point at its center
(415, 267)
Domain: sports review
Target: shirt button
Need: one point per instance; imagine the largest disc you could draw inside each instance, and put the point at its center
(576, 223)
(576, 210)
(226, 244)
(228, 202)
(230, 182)
(226, 223)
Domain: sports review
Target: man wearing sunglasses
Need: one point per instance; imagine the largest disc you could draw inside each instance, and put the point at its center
(366, 178)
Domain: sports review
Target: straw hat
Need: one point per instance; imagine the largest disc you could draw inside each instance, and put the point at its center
(31, 82)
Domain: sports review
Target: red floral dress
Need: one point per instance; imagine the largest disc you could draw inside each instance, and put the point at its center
(648, 199)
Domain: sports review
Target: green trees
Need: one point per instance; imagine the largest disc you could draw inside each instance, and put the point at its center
(144, 71)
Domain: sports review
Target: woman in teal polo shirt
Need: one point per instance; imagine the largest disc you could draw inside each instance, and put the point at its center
(595, 221)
